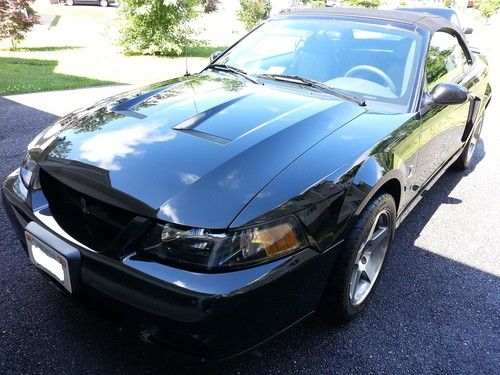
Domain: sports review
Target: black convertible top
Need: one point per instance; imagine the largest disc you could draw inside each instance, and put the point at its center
(423, 20)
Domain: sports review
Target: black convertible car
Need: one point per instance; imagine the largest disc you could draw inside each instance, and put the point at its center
(214, 211)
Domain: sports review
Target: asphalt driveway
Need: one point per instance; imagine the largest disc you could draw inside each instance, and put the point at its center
(436, 309)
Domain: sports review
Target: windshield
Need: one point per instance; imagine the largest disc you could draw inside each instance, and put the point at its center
(375, 62)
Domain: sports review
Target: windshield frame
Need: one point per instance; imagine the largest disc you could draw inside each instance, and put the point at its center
(414, 84)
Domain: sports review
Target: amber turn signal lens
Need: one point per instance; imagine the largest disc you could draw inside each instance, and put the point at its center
(277, 239)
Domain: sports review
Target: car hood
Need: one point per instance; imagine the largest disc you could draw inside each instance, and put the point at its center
(193, 151)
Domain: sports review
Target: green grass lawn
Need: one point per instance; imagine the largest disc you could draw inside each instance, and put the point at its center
(203, 51)
(21, 72)
(85, 61)
(40, 49)
(32, 75)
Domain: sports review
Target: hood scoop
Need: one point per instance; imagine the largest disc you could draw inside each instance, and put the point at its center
(189, 126)
(125, 107)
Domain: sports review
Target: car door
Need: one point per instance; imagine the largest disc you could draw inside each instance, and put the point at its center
(442, 126)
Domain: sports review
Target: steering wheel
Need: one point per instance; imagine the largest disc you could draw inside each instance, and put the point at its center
(372, 69)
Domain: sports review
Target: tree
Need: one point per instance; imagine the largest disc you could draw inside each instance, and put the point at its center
(488, 8)
(253, 11)
(449, 3)
(16, 19)
(210, 6)
(363, 3)
(155, 27)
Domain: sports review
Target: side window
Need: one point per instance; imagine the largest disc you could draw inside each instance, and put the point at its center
(446, 60)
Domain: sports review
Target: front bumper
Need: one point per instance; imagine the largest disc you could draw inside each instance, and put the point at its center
(206, 316)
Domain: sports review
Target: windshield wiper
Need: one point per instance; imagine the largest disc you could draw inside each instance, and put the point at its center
(232, 69)
(314, 84)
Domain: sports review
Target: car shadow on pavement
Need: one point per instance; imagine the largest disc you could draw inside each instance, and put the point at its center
(430, 313)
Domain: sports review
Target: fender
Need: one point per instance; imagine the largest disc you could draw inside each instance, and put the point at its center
(371, 176)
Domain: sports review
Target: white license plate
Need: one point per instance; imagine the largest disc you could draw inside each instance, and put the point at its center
(49, 260)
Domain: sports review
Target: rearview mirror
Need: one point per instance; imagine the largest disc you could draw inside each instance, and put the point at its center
(214, 55)
(449, 93)
(468, 30)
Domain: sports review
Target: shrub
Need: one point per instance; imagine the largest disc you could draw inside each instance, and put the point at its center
(155, 27)
(253, 11)
(488, 8)
(317, 3)
(16, 19)
(210, 6)
(363, 3)
(314, 3)
(449, 3)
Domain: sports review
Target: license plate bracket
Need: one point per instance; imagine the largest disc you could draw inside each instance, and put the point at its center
(54, 256)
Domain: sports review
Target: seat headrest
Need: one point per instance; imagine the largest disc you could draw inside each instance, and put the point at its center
(316, 44)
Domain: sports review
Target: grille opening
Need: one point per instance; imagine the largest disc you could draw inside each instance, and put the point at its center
(90, 221)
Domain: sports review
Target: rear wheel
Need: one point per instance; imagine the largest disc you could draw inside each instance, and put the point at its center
(361, 260)
(104, 3)
(463, 162)
(70, 2)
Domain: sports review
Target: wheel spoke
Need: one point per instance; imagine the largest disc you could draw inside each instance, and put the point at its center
(367, 244)
(472, 146)
(356, 275)
(370, 271)
(378, 237)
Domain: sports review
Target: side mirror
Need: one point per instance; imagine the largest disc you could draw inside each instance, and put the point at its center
(468, 30)
(449, 93)
(214, 55)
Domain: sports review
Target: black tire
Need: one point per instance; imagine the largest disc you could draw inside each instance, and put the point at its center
(338, 303)
(463, 162)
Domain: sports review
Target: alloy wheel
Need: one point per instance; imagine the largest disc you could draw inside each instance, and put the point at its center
(370, 258)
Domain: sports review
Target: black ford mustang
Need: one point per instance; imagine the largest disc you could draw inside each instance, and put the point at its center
(214, 211)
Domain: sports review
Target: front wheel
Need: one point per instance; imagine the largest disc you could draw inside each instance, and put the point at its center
(360, 262)
(70, 2)
(104, 3)
(463, 162)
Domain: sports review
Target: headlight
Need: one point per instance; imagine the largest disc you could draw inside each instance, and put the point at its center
(209, 250)
(29, 172)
